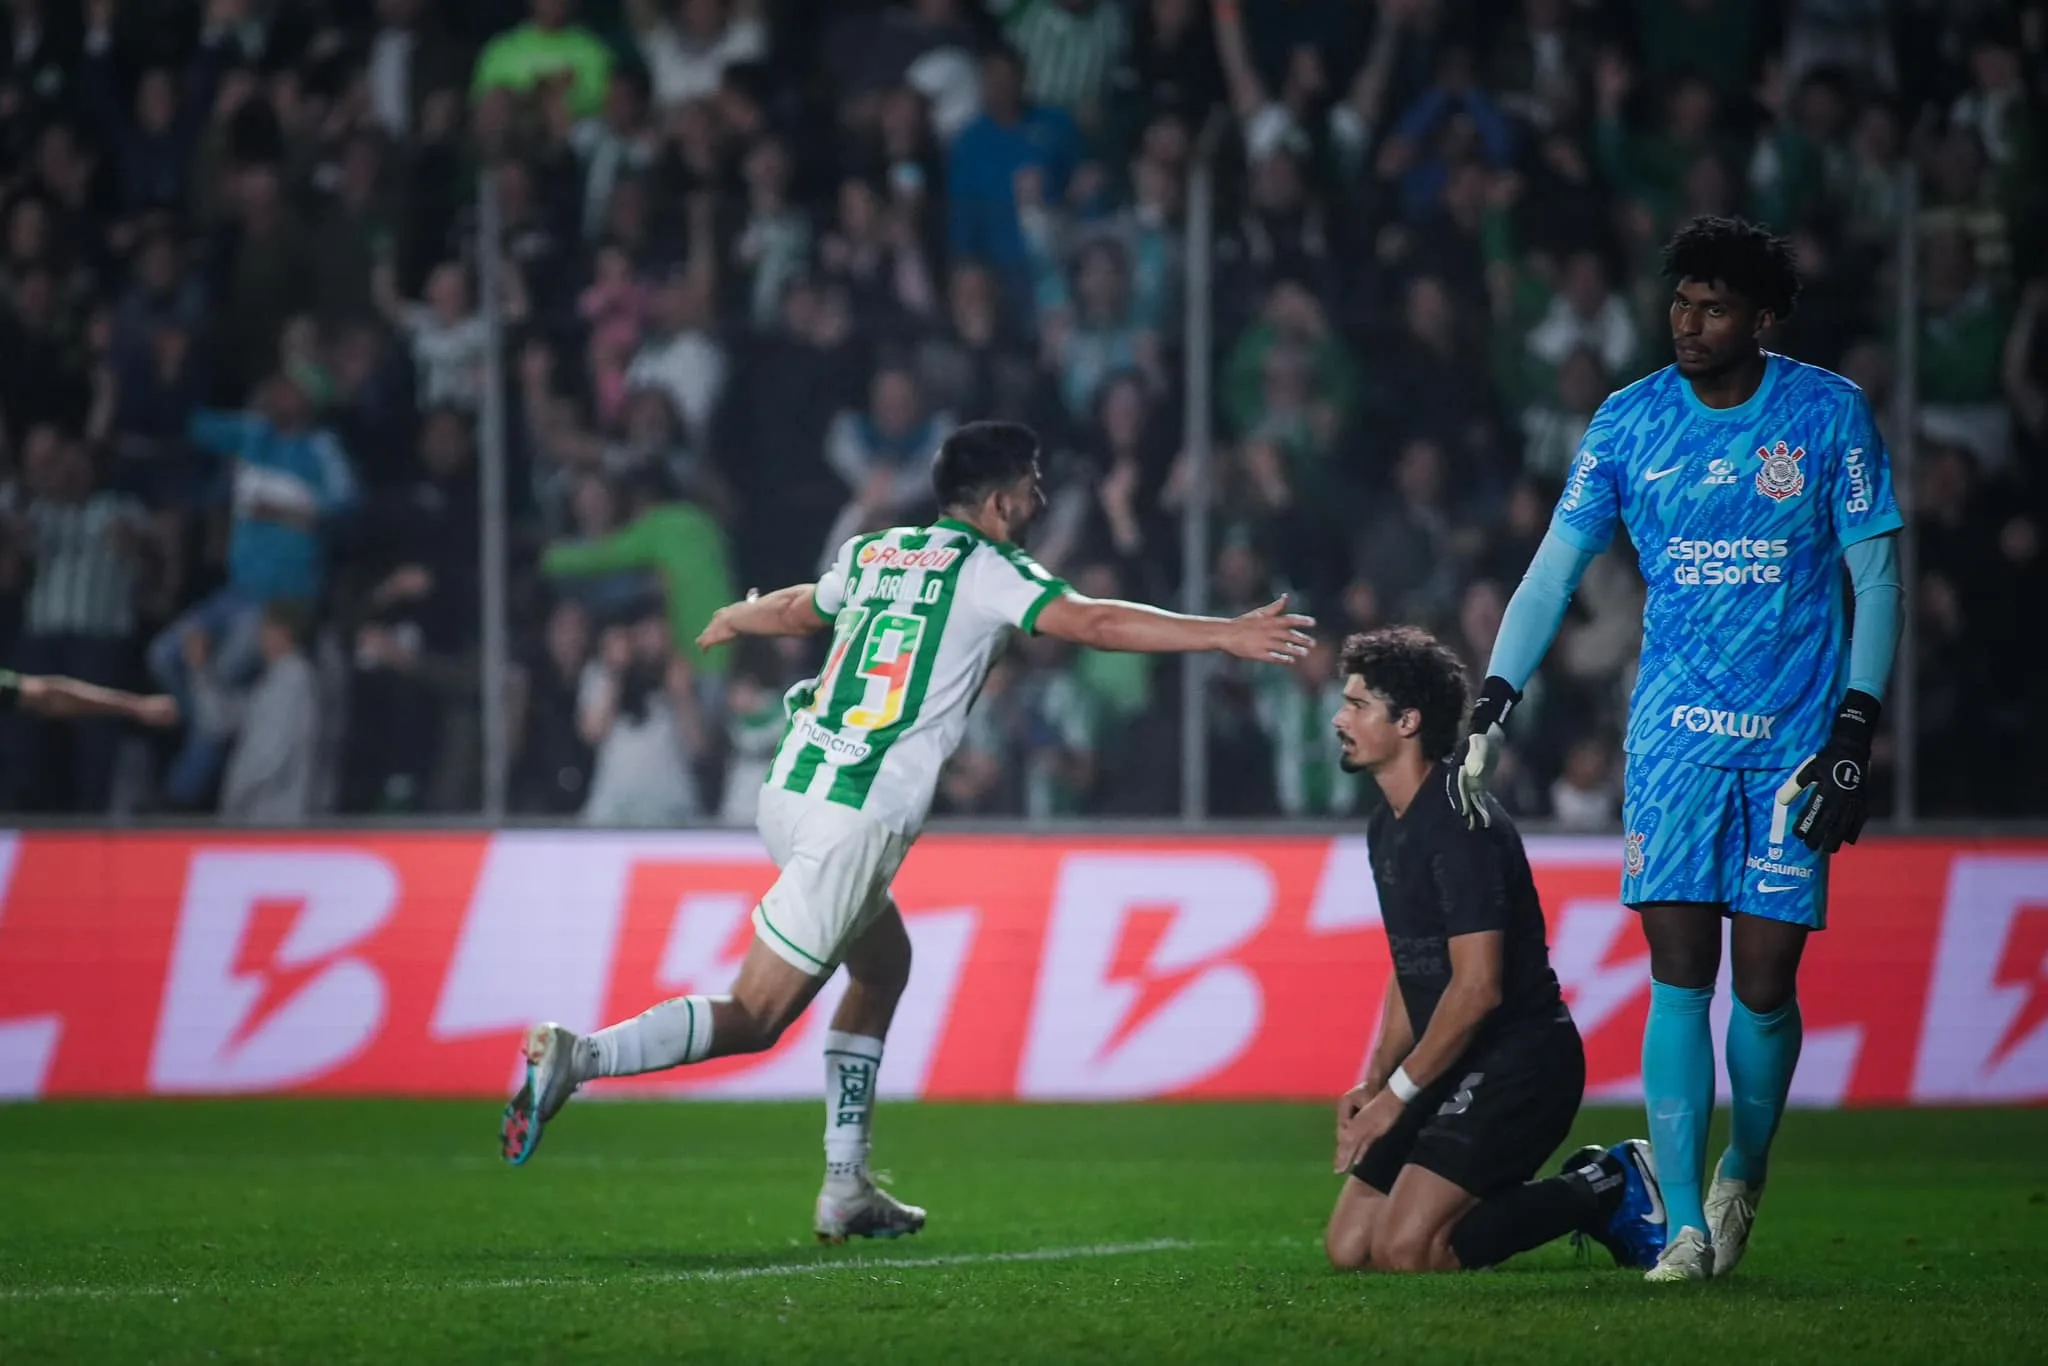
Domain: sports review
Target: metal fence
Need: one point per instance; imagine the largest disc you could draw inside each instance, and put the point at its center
(1199, 350)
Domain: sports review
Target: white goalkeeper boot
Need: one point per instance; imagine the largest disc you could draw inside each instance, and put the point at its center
(1731, 1211)
(855, 1207)
(1687, 1257)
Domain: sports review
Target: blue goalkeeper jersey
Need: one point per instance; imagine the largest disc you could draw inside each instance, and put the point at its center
(1739, 517)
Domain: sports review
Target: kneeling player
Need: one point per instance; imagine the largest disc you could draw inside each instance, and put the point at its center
(1478, 1071)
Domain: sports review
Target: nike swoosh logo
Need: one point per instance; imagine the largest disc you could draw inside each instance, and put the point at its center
(1652, 476)
(1768, 887)
(1656, 1193)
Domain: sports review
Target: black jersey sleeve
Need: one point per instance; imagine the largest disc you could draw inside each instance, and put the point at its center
(1464, 869)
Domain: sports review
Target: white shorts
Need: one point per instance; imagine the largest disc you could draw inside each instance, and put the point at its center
(836, 864)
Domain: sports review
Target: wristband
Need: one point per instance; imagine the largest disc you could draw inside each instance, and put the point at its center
(1856, 720)
(1403, 1086)
(1497, 698)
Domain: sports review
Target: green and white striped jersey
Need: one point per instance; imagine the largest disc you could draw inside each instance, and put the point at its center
(917, 615)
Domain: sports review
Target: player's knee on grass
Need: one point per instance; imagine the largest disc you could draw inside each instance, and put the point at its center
(1347, 1242)
(1348, 1248)
(1409, 1246)
(1413, 1233)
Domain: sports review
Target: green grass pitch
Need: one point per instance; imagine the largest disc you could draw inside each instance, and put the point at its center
(330, 1232)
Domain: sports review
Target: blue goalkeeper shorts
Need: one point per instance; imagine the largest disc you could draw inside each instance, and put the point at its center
(1717, 835)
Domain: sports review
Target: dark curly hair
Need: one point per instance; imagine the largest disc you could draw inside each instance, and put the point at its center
(1417, 672)
(1749, 259)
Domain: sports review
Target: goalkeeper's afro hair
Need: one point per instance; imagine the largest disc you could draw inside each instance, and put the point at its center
(1751, 260)
(1417, 672)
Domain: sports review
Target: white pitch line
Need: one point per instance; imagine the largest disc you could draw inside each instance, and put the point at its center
(820, 1268)
(705, 1274)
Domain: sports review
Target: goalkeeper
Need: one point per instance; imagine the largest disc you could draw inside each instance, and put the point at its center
(1745, 481)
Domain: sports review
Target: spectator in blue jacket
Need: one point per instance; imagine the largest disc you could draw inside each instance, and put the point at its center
(981, 173)
(290, 482)
(1453, 121)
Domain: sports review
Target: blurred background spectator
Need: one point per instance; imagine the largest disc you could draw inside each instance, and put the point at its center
(759, 255)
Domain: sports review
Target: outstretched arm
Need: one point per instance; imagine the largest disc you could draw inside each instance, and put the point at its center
(791, 611)
(66, 698)
(1270, 633)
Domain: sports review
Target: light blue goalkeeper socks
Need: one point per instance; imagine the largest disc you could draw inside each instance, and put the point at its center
(1678, 1094)
(1763, 1051)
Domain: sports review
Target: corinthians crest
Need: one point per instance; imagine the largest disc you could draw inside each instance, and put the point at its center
(1781, 477)
(1632, 854)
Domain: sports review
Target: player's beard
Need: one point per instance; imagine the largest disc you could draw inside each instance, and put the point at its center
(1021, 515)
(1712, 365)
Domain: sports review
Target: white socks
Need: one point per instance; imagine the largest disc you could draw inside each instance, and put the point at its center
(675, 1032)
(852, 1062)
(678, 1031)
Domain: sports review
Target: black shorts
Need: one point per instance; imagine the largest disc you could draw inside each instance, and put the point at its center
(1494, 1119)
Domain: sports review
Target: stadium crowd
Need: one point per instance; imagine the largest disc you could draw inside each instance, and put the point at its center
(758, 255)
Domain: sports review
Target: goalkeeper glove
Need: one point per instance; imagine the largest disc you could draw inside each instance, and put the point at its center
(1478, 753)
(1833, 814)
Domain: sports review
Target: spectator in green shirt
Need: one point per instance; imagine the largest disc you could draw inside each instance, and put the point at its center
(1711, 38)
(681, 542)
(544, 48)
(1652, 167)
(1290, 380)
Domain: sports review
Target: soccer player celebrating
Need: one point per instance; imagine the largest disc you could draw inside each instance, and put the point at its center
(917, 615)
(63, 699)
(1478, 1070)
(1745, 480)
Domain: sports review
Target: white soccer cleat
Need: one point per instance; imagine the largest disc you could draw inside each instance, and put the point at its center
(1687, 1257)
(858, 1208)
(550, 1054)
(1731, 1210)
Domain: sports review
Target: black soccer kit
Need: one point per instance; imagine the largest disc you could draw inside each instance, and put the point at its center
(1497, 1113)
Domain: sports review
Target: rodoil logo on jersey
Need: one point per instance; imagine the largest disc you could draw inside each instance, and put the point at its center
(1742, 559)
(1781, 477)
(935, 558)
